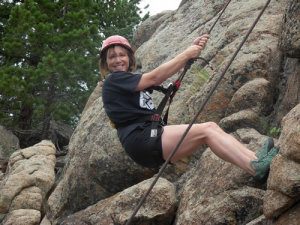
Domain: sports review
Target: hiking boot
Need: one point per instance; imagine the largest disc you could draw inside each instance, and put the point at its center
(268, 144)
(261, 166)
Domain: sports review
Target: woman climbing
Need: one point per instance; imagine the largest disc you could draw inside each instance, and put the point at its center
(129, 106)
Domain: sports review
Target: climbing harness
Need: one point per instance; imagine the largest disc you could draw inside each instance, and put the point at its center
(169, 93)
(142, 200)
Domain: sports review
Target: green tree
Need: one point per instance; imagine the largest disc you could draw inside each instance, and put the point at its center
(48, 57)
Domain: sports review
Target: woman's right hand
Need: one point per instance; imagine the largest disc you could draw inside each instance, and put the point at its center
(198, 45)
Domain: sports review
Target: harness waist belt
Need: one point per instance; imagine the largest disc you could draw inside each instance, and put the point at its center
(149, 118)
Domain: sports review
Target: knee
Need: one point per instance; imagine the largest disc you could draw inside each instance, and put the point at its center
(211, 126)
(210, 129)
(207, 129)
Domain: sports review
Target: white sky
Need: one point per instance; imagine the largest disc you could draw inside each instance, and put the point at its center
(156, 6)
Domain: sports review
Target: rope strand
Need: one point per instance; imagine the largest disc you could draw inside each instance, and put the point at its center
(223, 10)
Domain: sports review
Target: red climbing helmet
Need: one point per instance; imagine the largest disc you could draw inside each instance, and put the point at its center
(115, 40)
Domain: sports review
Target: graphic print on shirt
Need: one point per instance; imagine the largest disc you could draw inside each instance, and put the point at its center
(146, 100)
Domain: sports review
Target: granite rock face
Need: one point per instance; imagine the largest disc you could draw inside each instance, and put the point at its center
(30, 175)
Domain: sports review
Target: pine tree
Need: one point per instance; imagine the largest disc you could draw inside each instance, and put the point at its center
(48, 57)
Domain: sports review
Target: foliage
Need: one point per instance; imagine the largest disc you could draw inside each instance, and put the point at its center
(201, 76)
(270, 128)
(274, 132)
(49, 53)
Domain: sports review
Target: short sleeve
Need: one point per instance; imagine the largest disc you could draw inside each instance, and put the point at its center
(125, 81)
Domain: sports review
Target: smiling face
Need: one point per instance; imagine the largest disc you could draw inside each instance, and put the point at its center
(117, 59)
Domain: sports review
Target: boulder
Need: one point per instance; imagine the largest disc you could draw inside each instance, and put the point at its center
(22, 217)
(97, 167)
(291, 217)
(243, 119)
(30, 175)
(159, 208)
(255, 95)
(216, 192)
(284, 179)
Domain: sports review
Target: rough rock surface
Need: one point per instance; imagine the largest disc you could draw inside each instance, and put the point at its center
(284, 180)
(30, 175)
(290, 41)
(97, 168)
(215, 192)
(159, 207)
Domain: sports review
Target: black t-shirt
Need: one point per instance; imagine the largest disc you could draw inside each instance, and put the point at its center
(123, 103)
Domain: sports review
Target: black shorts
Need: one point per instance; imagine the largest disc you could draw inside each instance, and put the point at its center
(143, 149)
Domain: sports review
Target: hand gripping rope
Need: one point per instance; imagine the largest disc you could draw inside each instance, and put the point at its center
(142, 200)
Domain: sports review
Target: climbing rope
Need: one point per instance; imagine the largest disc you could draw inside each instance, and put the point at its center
(223, 10)
(142, 200)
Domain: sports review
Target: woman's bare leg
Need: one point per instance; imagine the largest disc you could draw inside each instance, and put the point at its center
(222, 144)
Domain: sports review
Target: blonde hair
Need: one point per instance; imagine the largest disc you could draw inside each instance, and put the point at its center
(103, 63)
